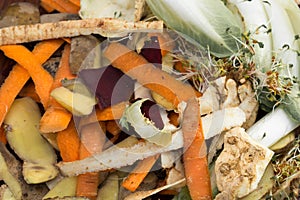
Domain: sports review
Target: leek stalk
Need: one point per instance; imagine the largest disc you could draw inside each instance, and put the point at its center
(209, 24)
(272, 127)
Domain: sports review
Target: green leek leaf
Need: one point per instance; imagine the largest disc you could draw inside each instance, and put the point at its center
(207, 23)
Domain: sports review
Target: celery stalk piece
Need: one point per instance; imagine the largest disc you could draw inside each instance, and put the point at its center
(272, 127)
(207, 23)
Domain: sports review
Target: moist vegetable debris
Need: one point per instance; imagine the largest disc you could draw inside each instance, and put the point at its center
(99, 101)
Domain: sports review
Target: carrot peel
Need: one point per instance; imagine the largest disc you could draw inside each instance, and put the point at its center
(19, 76)
(42, 79)
(135, 178)
(56, 117)
(137, 67)
(194, 157)
(92, 141)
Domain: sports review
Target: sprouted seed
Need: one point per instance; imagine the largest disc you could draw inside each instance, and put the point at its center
(287, 164)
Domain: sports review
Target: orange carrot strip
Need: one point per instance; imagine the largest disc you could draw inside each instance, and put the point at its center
(29, 91)
(41, 78)
(47, 7)
(148, 75)
(56, 117)
(194, 157)
(63, 6)
(19, 76)
(135, 178)
(69, 6)
(68, 143)
(114, 112)
(63, 70)
(92, 141)
(75, 2)
(2, 135)
(55, 6)
(109, 113)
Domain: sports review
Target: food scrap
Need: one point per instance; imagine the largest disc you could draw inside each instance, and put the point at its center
(241, 164)
(139, 99)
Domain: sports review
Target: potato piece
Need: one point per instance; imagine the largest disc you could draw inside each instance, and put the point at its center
(9, 179)
(76, 85)
(85, 53)
(110, 188)
(64, 188)
(20, 13)
(5, 193)
(22, 129)
(29, 192)
(76, 103)
(38, 172)
(284, 143)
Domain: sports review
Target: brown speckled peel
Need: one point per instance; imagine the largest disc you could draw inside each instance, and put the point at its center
(102, 26)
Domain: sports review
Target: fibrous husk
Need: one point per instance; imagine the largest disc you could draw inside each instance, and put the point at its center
(106, 27)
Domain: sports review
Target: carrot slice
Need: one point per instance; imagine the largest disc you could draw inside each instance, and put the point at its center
(68, 143)
(56, 117)
(92, 141)
(149, 76)
(19, 76)
(136, 177)
(194, 157)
